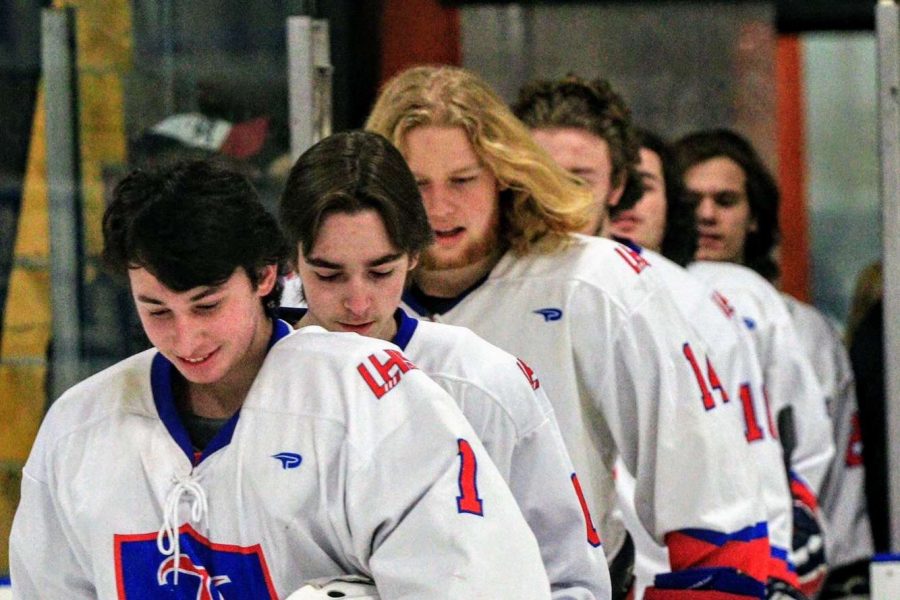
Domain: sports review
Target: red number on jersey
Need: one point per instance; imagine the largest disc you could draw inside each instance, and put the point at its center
(593, 537)
(714, 382)
(773, 431)
(854, 455)
(389, 372)
(752, 430)
(468, 500)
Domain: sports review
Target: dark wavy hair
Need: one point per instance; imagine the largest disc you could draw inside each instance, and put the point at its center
(762, 191)
(349, 172)
(589, 105)
(192, 224)
(679, 242)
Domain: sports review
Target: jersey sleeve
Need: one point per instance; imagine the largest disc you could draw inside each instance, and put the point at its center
(791, 381)
(430, 514)
(528, 449)
(43, 562)
(690, 494)
(842, 498)
(546, 487)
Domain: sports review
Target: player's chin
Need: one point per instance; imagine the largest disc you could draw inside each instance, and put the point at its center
(711, 253)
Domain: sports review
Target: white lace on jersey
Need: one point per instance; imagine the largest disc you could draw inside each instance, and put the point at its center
(199, 509)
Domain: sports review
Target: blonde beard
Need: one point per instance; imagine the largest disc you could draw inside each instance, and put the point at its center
(475, 252)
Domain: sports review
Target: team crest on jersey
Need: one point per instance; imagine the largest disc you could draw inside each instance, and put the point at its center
(549, 314)
(205, 570)
(383, 375)
(634, 260)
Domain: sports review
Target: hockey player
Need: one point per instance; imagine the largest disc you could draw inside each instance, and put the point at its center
(586, 127)
(849, 545)
(585, 312)
(354, 218)
(237, 460)
(736, 204)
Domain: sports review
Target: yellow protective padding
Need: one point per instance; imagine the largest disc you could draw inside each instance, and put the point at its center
(10, 479)
(104, 53)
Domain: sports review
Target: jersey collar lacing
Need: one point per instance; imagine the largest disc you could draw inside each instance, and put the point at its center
(199, 509)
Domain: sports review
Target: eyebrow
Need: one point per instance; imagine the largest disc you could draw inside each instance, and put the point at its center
(199, 296)
(473, 168)
(649, 175)
(327, 264)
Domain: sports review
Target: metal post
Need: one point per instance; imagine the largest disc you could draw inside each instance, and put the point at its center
(64, 206)
(887, 16)
(309, 82)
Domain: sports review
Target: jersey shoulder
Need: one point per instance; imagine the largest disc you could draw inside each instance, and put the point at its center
(124, 387)
(755, 297)
(356, 382)
(599, 267)
(456, 356)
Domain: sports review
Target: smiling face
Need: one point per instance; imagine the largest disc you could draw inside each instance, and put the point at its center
(460, 196)
(214, 335)
(645, 222)
(717, 187)
(353, 277)
(586, 156)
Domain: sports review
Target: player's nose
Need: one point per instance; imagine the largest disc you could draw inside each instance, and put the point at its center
(437, 202)
(358, 299)
(185, 336)
(706, 209)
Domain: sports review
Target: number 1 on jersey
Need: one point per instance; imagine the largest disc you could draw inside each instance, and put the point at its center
(468, 500)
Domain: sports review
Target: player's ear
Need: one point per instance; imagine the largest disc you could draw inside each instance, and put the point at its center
(752, 226)
(615, 195)
(413, 261)
(266, 280)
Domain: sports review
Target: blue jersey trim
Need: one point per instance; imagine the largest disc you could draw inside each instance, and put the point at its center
(4, 581)
(280, 329)
(427, 306)
(161, 385)
(406, 327)
(629, 243)
(718, 538)
(161, 371)
(291, 314)
(886, 557)
(721, 579)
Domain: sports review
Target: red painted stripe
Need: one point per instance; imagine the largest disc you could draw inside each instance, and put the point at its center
(417, 32)
(791, 123)
(752, 558)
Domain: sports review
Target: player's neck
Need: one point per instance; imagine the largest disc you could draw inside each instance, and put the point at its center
(449, 283)
(223, 398)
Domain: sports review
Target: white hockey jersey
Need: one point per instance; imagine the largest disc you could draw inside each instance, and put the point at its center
(344, 459)
(843, 498)
(503, 399)
(734, 381)
(789, 376)
(598, 326)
